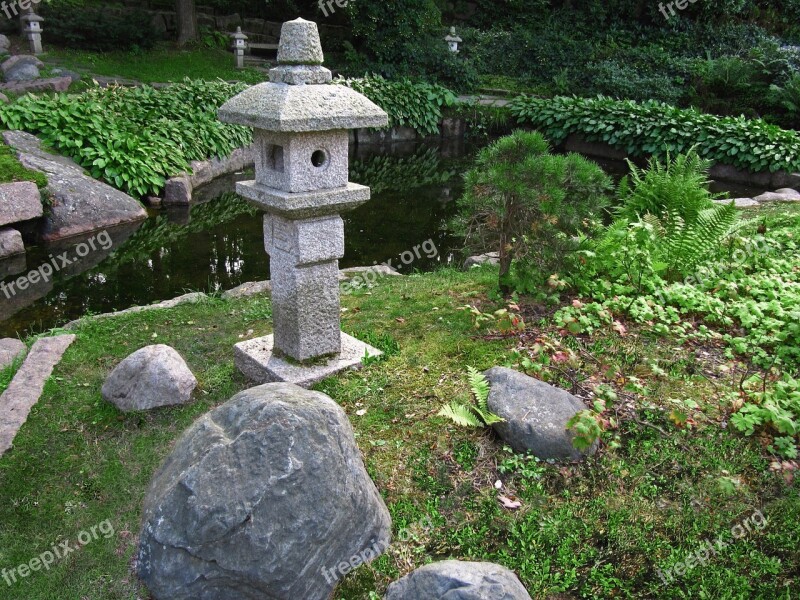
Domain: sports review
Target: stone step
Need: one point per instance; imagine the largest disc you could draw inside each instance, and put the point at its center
(27, 386)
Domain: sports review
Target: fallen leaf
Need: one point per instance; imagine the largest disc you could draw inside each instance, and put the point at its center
(509, 503)
(361, 412)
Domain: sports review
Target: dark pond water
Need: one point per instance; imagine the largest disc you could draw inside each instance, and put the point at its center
(218, 243)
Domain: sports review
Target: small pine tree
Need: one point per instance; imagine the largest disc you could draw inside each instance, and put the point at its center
(529, 205)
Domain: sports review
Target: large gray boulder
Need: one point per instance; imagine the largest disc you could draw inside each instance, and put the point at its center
(79, 204)
(149, 378)
(536, 415)
(22, 67)
(264, 498)
(458, 580)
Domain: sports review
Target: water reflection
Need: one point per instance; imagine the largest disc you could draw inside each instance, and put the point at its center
(218, 244)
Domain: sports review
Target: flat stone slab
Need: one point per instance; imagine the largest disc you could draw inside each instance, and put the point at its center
(10, 349)
(20, 201)
(49, 84)
(304, 205)
(740, 202)
(255, 359)
(786, 195)
(27, 386)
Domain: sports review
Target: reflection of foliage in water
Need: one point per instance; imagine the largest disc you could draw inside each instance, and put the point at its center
(401, 174)
(160, 232)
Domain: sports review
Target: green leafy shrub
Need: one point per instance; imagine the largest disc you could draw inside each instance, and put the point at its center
(409, 104)
(655, 128)
(133, 138)
(100, 28)
(529, 204)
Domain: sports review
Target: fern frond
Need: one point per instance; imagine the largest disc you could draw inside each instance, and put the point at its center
(460, 414)
(479, 387)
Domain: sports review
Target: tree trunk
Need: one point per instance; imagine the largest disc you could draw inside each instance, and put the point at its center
(187, 21)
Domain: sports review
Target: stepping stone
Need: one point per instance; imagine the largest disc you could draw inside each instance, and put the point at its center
(10, 349)
(27, 386)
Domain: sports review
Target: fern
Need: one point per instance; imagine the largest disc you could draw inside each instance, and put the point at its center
(674, 199)
(469, 415)
(460, 414)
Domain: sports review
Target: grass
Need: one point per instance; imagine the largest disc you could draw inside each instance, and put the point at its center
(599, 529)
(12, 170)
(165, 63)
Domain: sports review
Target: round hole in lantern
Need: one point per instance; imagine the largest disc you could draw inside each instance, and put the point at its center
(319, 159)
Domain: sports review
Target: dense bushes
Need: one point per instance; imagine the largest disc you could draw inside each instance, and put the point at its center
(133, 137)
(99, 27)
(656, 128)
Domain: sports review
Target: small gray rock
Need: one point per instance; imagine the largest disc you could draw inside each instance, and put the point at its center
(785, 195)
(739, 202)
(178, 191)
(10, 349)
(458, 580)
(19, 201)
(4, 99)
(265, 497)
(5, 43)
(67, 73)
(10, 243)
(490, 258)
(536, 415)
(149, 378)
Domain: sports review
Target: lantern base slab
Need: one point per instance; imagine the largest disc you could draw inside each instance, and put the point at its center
(257, 361)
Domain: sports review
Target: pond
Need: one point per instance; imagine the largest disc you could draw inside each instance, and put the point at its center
(218, 243)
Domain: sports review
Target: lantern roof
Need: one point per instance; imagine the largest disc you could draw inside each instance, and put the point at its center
(452, 37)
(297, 99)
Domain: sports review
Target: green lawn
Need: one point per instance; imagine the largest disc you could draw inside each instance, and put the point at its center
(162, 64)
(653, 494)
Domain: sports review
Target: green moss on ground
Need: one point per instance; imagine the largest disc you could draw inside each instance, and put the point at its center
(595, 530)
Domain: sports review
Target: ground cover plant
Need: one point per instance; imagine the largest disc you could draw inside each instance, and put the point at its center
(643, 129)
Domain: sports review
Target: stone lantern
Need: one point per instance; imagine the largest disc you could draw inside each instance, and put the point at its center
(239, 46)
(453, 40)
(33, 30)
(301, 124)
